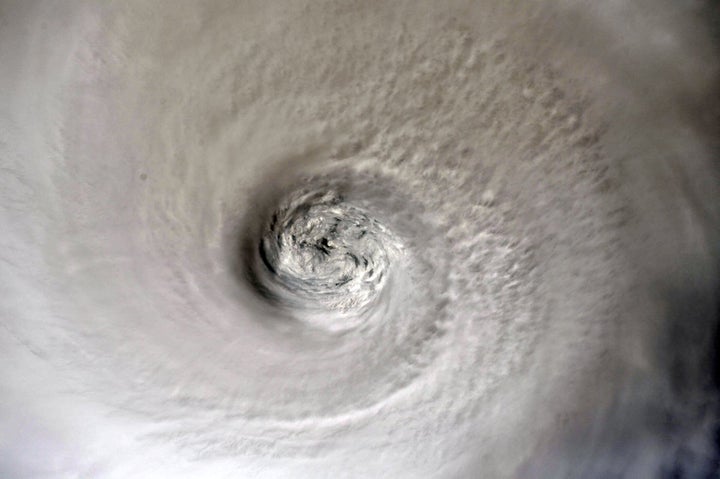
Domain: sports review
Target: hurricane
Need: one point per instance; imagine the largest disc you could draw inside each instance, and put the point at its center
(339, 239)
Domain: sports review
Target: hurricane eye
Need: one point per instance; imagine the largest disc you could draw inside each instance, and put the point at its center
(321, 254)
